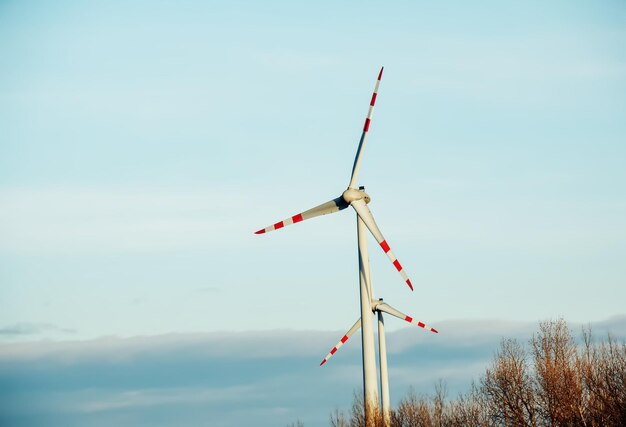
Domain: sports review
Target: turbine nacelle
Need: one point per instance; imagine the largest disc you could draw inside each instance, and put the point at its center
(375, 303)
(352, 195)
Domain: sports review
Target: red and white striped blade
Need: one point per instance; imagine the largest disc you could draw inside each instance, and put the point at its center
(386, 308)
(325, 208)
(343, 340)
(366, 126)
(364, 213)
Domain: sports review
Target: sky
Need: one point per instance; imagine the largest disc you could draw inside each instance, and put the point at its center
(142, 144)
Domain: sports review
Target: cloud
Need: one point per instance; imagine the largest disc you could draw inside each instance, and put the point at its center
(26, 328)
(240, 345)
(167, 396)
(454, 334)
(264, 378)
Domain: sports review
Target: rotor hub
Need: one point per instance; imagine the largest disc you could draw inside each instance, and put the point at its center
(352, 195)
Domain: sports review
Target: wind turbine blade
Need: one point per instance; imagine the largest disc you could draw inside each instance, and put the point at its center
(341, 342)
(366, 126)
(386, 308)
(325, 208)
(364, 213)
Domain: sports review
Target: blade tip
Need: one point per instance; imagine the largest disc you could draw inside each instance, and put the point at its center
(434, 330)
(260, 231)
(323, 361)
(408, 282)
(380, 75)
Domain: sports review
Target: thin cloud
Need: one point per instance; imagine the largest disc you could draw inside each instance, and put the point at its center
(237, 377)
(281, 343)
(144, 398)
(26, 328)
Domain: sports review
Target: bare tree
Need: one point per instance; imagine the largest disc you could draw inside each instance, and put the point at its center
(338, 419)
(507, 388)
(555, 384)
(558, 385)
(469, 410)
(412, 411)
(602, 369)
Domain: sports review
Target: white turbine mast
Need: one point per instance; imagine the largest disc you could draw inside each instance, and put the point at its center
(358, 199)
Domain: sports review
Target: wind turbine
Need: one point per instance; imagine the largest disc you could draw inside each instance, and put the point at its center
(358, 199)
(379, 307)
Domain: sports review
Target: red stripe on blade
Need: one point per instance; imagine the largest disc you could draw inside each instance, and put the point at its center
(296, 218)
(373, 101)
(420, 324)
(279, 225)
(397, 264)
(385, 246)
(367, 125)
(333, 350)
(344, 339)
(408, 319)
(260, 231)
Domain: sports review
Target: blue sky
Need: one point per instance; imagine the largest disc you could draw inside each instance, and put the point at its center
(142, 144)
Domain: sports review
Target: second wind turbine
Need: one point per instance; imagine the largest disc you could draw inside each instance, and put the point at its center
(358, 199)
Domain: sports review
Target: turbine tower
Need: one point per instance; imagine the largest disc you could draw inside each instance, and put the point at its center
(358, 199)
